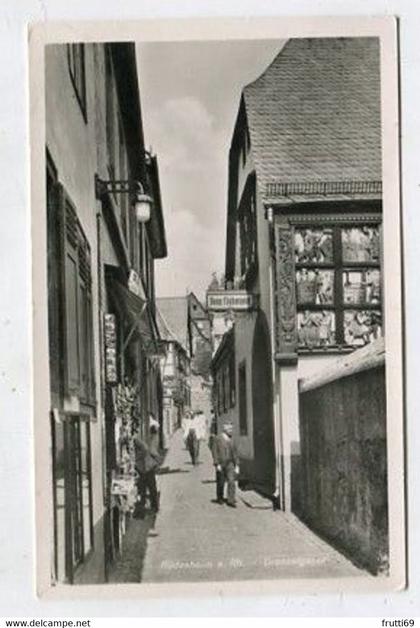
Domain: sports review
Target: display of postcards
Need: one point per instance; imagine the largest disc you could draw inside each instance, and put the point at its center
(122, 485)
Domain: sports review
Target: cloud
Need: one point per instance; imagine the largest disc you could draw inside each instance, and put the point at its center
(192, 158)
(190, 95)
(193, 168)
(197, 251)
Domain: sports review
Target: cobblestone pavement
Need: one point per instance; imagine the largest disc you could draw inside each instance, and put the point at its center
(195, 539)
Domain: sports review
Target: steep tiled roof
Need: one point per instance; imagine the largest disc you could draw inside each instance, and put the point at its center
(172, 319)
(314, 114)
(165, 331)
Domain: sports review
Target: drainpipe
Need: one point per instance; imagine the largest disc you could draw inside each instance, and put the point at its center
(278, 496)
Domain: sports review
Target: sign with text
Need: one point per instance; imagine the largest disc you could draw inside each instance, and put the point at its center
(236, 300)
(110, 334)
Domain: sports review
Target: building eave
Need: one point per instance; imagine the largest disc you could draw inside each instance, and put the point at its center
(156, 226)
(125, 69)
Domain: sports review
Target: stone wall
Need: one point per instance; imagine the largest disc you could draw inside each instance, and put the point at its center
(343, 467)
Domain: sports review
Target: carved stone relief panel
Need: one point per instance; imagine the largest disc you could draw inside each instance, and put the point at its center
(285, 292)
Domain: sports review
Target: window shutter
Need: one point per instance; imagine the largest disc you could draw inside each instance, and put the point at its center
(87, 323)
(90, 345)
(84, 334)
(70, 296)
(83, 342)
(54, 290)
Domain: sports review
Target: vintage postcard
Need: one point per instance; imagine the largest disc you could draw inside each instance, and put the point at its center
(218, 365)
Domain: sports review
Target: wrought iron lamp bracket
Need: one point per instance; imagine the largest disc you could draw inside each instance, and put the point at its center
(121, 186)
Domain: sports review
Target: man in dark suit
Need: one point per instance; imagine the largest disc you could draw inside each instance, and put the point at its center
(147, 461)
(225, 458)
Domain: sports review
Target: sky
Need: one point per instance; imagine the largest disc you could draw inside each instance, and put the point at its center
(190, 93)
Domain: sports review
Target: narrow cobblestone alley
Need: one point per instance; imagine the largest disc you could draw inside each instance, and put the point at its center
(195, 539)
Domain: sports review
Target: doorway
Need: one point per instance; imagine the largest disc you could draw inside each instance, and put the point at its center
(262, 407)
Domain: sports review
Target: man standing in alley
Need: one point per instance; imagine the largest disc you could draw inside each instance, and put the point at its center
(225, 458)
(147, 461)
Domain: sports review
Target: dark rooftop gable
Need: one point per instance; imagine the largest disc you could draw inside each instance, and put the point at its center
(174, 311)
(314, 114)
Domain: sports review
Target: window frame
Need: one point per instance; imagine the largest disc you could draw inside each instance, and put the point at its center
(338, 266)
(248, 235)
(75, 551)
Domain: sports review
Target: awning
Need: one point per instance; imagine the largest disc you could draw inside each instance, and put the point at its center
(136, 311)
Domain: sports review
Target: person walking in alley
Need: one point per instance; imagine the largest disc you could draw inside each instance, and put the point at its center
(225, 458)
(186, 422)
(147, 461)
(194, 433)
(192, 441)
(200, 425)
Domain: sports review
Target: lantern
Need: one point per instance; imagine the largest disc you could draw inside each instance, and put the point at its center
(142, 205)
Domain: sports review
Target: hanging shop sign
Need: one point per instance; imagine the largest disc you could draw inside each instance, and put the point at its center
(110, 333)
(236, 300)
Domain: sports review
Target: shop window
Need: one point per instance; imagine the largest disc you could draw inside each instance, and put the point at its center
(338, 286)
(76, 62)
(59, 501)
(243, 411)
(86, 482)
(72, 479)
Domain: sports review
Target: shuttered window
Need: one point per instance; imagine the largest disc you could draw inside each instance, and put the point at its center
(54, 291)
(77, 305)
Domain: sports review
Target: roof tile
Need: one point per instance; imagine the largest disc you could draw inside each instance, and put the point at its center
(314, 114)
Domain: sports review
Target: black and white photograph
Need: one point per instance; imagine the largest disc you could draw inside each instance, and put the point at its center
(218, 381)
